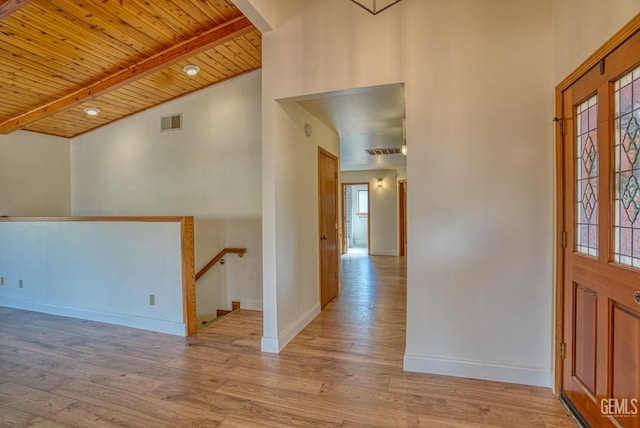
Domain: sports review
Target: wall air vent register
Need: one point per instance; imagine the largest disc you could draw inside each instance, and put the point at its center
(171, 123)
(385, 151)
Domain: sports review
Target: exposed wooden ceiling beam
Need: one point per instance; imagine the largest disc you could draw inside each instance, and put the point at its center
(9, 6)
(206, 40)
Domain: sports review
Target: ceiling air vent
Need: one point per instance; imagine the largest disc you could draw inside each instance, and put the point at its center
(171, 123)
(385, 151)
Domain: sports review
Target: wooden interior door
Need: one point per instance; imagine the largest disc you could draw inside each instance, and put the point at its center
(328, 225)
(600, 121)
(402, 204)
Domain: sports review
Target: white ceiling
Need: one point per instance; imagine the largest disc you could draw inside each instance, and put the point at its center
(364, 118)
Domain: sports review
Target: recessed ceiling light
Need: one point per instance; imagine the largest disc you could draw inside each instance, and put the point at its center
(191, 70)
(92, 111)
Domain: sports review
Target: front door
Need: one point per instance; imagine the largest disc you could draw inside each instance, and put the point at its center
(328, 225)
(600, 120)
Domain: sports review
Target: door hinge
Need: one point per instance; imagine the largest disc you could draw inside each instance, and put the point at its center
(563, 350)
(561, 122)
(563, 239)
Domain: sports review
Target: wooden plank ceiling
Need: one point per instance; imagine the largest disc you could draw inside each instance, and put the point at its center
(58, 57)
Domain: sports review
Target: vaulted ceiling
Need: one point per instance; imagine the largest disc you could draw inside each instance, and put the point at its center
(58, 57)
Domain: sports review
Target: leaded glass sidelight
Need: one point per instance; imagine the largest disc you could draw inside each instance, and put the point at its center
(587, 177)
(626, 226)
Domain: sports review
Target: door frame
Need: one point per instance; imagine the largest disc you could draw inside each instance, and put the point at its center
(343, 242)
(614, 42)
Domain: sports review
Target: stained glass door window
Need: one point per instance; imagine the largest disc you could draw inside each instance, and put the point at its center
(587, 177)
(626, 225)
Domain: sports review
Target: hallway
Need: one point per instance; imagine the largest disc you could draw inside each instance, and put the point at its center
(343, 370)
(366, 322)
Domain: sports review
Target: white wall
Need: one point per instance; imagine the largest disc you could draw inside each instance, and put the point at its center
(244, 274)
(580, 27)
(211, 289)
(210, 170)
(402, 172)
(480, 214)
(479, 90)
(34, 175)
(262, 14)
(102, 271)
(291, 273)
(383, 208)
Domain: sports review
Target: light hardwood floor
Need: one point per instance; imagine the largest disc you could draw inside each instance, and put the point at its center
(343, 370)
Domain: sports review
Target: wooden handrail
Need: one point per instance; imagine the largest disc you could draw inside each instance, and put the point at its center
(239, 251)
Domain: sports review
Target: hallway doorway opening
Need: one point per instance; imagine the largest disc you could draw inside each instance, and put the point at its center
(355, 218)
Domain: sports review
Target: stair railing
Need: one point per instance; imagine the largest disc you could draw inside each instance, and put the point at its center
(219, 258)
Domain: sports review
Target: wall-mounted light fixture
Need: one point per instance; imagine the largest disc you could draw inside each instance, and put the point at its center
(191, 70)
(379, 182)
(403, 148)
(92, 111)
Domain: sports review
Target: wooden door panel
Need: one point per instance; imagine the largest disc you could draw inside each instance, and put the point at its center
(585, 328)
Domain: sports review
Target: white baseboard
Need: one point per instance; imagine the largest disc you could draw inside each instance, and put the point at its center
(269, 344)
(251, 304)
(275, 345)
(298, 325)
(479, 370)
(384, 252)
(160, 326)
